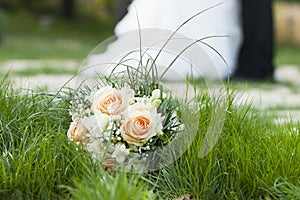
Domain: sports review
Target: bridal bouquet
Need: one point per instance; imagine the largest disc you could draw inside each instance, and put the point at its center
(126, 118)
(121, 123)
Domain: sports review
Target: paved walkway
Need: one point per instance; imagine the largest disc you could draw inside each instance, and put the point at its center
(284, 95)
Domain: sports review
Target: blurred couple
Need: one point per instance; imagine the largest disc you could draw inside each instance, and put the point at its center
(237, 37)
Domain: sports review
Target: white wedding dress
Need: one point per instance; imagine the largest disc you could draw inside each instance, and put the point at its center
(150, 22)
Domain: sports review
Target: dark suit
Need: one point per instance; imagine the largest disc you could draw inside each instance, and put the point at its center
(255, 59)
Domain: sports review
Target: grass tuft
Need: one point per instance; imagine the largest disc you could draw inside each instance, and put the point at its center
(104, 185)
(253, 158)
(251, 154)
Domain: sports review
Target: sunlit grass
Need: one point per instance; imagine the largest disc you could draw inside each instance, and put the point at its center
(102, 185)
(28, 39)
(39, 162)
(287, 54)
(252, 159)
(44, 70)
(251, 155)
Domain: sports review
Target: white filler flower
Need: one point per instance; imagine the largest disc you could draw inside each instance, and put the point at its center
(120, 153)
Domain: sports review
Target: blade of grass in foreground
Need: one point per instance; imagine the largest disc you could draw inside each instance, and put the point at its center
(253, 157)
(251, 154)
(36, 156)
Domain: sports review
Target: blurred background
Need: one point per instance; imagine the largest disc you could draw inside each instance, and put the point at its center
(54, 36)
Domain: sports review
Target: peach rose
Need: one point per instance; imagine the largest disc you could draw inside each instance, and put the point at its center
(141, 123)
(77, 130)
(112, 101)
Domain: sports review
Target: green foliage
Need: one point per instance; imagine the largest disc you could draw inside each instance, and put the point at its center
(250, 156)
(289, 0)
(253, 158)
(28, 39)
(60, 39)
(69, 9)
(285, 189)
(287, 54)
(39, 162)
(36, 156)
(102, 185)
(44, 70)
(31, 5)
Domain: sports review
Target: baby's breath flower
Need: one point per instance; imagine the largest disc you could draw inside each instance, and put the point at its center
(120, 153)
(119, 122)
(106, 135)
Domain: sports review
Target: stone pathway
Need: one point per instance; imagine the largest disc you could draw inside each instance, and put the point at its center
(20, 65)
(285, 94)
(51, 81)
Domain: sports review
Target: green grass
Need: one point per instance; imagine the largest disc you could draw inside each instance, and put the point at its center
(33, 148)
(287, 54)
(38, 161)
(251, 155)
(111, 186)
(252, 159)
(44, 70)
(26, 39)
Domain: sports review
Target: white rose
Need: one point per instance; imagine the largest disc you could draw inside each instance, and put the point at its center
(111, 101)
(142, 122)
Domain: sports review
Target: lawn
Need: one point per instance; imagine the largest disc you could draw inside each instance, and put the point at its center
(287, 54)
(254, 157)
(60, 39)
(30, 39)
